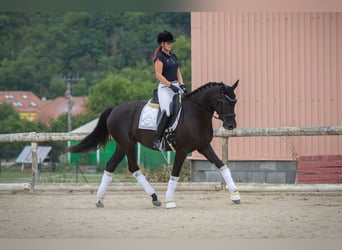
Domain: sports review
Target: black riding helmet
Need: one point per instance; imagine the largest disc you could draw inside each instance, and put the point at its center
(165, 36)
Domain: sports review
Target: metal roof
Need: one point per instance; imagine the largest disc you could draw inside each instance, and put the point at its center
(26, 155)
(86, 128)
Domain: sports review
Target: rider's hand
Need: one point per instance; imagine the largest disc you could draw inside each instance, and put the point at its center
(174, 88)
(182, 86)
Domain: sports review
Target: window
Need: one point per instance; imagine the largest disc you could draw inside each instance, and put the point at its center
(8, 96)
(17, 104)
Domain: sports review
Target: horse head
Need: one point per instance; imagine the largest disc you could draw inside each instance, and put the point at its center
(225, 106)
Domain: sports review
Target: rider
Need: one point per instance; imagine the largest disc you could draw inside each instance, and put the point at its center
(170, 79)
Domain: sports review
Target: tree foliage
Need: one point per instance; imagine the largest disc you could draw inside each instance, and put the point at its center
(110, 51)
(37, 49)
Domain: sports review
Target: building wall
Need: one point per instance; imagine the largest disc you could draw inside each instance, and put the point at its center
(290, 71)
(30, 116)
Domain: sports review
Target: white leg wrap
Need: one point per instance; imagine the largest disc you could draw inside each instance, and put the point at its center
(171, 188)
(230, 185)
(143, 182)
(106, 180)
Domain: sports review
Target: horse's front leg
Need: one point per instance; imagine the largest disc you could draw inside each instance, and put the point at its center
(173, 181)
(209, 153)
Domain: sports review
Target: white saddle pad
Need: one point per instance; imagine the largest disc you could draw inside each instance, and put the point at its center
(148, 118)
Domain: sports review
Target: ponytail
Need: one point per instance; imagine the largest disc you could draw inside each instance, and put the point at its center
(156, 53)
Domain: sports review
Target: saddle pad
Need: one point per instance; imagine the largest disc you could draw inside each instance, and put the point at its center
(148, 118)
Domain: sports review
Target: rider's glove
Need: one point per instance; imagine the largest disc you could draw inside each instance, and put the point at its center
(183, 88)
(174, 88)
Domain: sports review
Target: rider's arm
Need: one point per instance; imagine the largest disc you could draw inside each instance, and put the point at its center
(180, 77)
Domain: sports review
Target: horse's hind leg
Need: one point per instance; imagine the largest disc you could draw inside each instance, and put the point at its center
(108, 174)
(139, 176)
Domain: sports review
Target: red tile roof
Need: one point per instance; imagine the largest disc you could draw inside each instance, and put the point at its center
(22, 101)
(54, 108)
(26, 101)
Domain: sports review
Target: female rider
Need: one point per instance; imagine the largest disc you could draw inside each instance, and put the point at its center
(170, 79)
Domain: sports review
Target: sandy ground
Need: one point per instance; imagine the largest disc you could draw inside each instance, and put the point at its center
(199, 215)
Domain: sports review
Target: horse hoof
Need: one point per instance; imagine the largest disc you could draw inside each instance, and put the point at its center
(156, 203)
(170, 205)
(99, 203)
(235, 197)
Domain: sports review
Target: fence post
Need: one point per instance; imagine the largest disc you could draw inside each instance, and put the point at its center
(35, 171)
(225, 150)
(77, 169)
(224, 157)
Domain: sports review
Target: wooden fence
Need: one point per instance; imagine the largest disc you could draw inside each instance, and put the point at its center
(280, 131)
(34, 138)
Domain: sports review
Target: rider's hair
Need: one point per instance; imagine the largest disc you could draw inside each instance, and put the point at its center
(156, 53)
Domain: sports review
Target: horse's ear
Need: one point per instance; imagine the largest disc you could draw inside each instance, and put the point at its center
(235, 84)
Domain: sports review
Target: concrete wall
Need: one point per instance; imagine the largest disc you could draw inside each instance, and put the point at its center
(246, 171)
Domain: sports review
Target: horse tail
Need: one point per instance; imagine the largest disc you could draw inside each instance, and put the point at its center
(97, 138)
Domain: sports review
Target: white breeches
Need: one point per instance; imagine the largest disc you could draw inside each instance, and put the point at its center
(165, 96)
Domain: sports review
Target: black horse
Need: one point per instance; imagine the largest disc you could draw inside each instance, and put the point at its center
(194, 132)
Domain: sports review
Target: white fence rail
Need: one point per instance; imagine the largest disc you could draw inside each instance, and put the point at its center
(280, 131)
(34, 138)
(40, 137)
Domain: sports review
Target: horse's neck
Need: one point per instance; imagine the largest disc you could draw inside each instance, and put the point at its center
(204, 100)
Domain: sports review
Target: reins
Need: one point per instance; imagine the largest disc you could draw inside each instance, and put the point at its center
(200, 108)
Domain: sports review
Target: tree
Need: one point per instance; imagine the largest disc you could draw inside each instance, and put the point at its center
(109, 92)
(182, 49)
(36, 48)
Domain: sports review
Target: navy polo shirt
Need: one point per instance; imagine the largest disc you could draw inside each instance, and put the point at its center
(170, 65)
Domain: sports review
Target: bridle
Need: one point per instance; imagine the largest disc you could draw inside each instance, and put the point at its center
(222, 99)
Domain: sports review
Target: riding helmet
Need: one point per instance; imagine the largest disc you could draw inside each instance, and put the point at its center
(165, 36)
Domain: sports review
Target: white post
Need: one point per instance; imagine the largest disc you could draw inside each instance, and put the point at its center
(168, 158)
(98, 156)
(68, 154)
(138, 152)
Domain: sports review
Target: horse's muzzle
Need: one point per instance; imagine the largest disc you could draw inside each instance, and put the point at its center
(229, 125)
(229, 121)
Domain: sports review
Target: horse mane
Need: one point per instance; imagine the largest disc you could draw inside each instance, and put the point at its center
(203, 87)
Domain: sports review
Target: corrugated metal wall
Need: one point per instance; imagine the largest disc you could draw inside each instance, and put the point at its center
(290, 71)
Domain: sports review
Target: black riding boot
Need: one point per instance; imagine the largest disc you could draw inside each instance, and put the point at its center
(162, 123)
